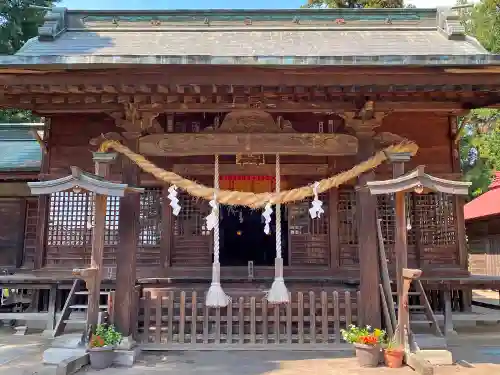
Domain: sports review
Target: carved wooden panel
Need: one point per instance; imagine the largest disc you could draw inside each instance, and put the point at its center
(348, 230)
(309, 238)
(191, 238)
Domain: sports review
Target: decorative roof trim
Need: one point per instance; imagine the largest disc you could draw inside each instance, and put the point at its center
(449, 23)
(418, 179)
(83, 61)
(54, 25)
(80, 179)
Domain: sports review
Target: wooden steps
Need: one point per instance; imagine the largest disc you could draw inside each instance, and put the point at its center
(75, 308)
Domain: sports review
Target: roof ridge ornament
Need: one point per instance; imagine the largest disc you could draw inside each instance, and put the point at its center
(449, 23)
(54, 25)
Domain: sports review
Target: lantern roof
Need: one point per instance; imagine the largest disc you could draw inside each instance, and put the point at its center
(79, 180)
(419, 181)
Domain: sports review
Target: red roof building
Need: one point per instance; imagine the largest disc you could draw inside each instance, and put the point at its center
(486, 204)
(482, 222)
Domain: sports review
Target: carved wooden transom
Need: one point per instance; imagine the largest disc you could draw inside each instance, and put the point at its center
(251, 121)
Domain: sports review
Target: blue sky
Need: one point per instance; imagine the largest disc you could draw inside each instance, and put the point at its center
(214, 4)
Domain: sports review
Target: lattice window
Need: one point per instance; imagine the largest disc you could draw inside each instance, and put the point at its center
(150, 217)
(386, 212)
(348, 231)
(435, 217)
(70, 219)
(300, 220)
(191, 220)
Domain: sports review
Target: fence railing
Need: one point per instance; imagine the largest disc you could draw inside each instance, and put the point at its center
(180, 317)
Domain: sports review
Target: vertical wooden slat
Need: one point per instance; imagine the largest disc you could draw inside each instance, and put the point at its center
(252, 320)
(312, 317)
(336, 316)
(300, 305)
(264, 320)
(194, 311)
(324, 316)
(289, 319)
(333, 229)
(348, 308)
(182, 316)
(359, 308)
(158, 311)
(277, 324)
(206, 313)
(217, 325)
(229, 335)
(170, 333)
(241, 319)
(51, 313)
(147, 317)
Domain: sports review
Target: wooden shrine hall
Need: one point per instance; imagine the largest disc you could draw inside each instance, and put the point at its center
(254, 135)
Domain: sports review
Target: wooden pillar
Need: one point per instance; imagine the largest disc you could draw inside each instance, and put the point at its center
(96, 259)
(128, 232)
(366, 216)
(401, 244)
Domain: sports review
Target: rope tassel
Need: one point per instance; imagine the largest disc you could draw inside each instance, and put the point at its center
(215, 295)
(278, 293)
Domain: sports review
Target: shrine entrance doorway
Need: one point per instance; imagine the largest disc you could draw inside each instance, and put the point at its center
(242, 237)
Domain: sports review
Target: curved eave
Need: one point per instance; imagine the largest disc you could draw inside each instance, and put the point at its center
(418, 178)
(82, 180)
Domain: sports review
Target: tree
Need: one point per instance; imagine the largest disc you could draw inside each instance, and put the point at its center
(480, 129)
(355, 4)
(18, 23)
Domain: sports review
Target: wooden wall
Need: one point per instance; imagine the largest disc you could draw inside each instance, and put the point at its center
(432, 238)
(484, 246)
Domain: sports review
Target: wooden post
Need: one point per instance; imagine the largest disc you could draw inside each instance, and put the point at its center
(96, 259)
(366, 216)
(128, 232)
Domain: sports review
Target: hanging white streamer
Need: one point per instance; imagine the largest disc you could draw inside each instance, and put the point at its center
(213, 217)
(316, 210)
(174, 201)
(267, 217)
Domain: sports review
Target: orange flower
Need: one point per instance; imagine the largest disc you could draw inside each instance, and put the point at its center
(96, 342)
(369, 340)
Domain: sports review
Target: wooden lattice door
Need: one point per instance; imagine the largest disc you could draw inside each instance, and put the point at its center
(309, 239)
(191, 238)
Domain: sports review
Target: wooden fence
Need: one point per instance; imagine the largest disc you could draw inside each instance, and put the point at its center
(168, 318)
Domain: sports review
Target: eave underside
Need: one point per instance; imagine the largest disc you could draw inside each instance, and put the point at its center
(221, 88)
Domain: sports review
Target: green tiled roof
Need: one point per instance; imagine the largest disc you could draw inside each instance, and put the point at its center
(19, 151)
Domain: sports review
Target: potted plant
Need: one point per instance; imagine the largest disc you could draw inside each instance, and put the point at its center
(393, 354)
(367, 342)
(102, 345)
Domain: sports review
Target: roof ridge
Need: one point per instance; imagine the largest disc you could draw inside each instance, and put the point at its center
(58, 20)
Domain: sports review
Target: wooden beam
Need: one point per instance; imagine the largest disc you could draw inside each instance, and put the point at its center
(252, 143)
(219, 75)
(252, 170)
(78, 104)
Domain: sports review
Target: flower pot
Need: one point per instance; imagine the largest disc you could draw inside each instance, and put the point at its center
(101, 358)
(367, 355)
(393, 358)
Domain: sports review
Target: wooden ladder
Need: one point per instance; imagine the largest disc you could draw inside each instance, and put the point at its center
(74, 307)
(421, 309)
